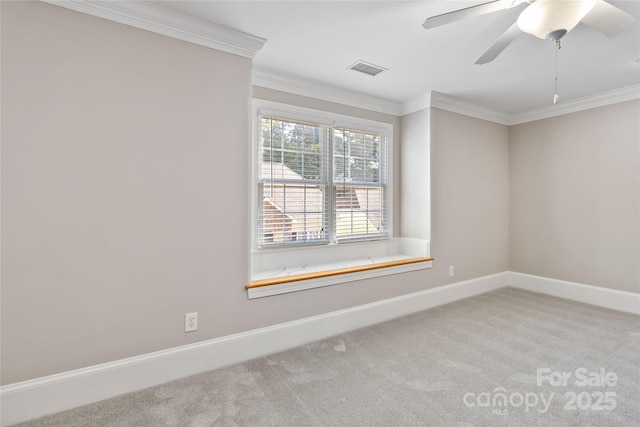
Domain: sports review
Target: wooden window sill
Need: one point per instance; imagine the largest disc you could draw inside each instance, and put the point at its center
(282, 280)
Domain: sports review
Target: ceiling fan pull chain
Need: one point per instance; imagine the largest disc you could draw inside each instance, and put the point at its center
(556, 97)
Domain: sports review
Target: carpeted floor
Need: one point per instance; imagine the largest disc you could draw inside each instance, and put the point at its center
(508, 357)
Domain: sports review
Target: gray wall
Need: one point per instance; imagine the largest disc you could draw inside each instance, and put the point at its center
(415, 211)
(118, 150)
(123, 152)
(575, 197)
(469, 195)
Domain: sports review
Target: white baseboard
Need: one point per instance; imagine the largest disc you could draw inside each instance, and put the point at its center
(42, 396)
(603, 297)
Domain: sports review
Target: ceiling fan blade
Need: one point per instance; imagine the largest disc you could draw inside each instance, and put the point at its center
(501, 44)
(608, 19)
(468, 12)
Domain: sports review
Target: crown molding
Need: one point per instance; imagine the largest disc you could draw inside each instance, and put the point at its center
(455, 105)
(160, 20)
(299, 86)
(460, 106)
(602, 99)
(466, 108)
(416, 104)
(157, 19)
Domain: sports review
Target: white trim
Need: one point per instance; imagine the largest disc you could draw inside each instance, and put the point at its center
(628, 302)
(303, 87)
(160, 20)
(455, 105)
(329, 118)
(41, 396)
(460, 106)
(301, 285)
(614, 96)
(299, 86)
(35, 398)
(157, 19)
(282, 262)
(418, 103)
(285, 259)
(268, 263)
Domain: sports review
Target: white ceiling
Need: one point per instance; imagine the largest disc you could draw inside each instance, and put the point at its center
(319, 40)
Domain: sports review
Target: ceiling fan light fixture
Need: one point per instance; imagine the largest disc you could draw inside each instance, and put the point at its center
(556, 35)
(547, 18)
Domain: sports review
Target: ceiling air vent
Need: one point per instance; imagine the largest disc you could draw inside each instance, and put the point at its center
(365, 67)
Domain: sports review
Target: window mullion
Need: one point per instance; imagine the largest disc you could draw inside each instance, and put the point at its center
(331, 193)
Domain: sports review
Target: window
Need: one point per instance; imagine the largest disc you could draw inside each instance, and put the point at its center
(322, 198)
(320, 183)
(359, 181)
(293, 186)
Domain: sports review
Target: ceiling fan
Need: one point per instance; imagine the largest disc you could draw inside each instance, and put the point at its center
(545, 19)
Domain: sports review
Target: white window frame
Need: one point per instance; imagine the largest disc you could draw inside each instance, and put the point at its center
(279, 261)
(334, 121)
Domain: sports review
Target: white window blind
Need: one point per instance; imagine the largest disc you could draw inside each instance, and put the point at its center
(294, 183)
(360, 178)
(318, 184)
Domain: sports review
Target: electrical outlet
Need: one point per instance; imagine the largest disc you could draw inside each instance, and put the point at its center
(451, 271)
(191, 322)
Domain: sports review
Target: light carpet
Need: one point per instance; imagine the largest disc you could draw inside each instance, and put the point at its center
(504, 358)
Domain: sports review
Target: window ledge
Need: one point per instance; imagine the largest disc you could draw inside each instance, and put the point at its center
(327, 275)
